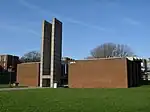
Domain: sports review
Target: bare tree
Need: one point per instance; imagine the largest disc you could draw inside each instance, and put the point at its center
(111, 50)
(33, 56)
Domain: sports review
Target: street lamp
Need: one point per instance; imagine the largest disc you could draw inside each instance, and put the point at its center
(10, 70)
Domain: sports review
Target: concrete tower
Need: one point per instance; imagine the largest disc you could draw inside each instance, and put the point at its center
(56, 51)
(51, 52)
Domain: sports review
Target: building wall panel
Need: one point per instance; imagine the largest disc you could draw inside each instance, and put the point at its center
(28, 74)
(103, 73)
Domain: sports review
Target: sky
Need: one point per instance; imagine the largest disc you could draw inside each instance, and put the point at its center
(86, 24)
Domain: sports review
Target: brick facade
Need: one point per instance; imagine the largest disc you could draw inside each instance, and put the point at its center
(28, 74)
(102, 73)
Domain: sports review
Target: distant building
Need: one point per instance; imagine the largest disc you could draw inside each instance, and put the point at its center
(8, 75)
(7, 61)
(145, 69)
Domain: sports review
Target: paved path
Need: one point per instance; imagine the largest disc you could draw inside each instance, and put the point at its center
(12, 89)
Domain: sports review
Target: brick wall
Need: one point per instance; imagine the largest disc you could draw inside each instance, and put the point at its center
(102, 73)
(28, 74)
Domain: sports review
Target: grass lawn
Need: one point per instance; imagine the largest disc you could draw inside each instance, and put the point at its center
(8, 86)
(76, 100)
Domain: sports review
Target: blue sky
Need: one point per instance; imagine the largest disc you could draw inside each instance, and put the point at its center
(86, 24)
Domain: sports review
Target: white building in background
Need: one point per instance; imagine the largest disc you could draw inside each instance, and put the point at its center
(145, 67)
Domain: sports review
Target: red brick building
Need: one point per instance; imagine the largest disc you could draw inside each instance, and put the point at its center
(99, 73)
(28, 74)
(104, 73)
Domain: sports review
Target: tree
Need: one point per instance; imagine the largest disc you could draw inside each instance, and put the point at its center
(111, 50)
(33, 56)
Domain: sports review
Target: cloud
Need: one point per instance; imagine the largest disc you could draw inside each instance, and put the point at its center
(131, 21)
(85, 24)
(36, 8)
(23, 2)
(67, 19)
(33, 32)
(18, 28)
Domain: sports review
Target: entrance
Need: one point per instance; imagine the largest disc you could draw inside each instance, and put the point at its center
(46, 83)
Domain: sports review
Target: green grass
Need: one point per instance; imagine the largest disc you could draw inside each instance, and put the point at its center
(76, 100)
(8, 86)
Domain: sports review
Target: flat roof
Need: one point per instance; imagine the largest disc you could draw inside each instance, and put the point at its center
(30, 63)
(109, 58)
